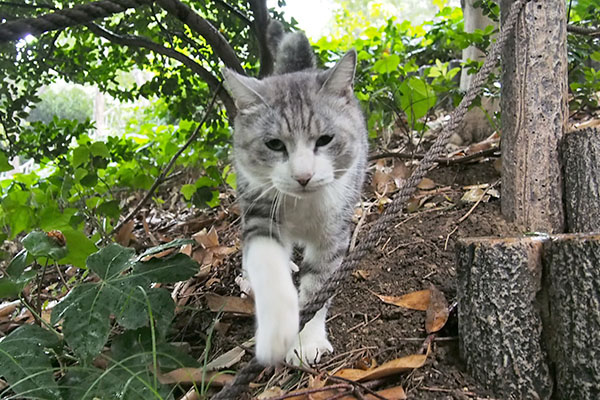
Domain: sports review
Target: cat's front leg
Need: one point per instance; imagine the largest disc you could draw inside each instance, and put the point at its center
(318, 265)
(267, 263)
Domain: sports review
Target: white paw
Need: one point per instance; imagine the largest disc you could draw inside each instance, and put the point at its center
(308, 348)
(277, 330)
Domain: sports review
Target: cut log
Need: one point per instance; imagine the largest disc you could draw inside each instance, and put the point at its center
(572, 263)
(500, 323)
(534, 116)
(581, 175)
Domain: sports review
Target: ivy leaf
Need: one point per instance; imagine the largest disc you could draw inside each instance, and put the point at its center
(26, 365)
(99, 149)
(9, 288)
(139, 303)
(111, 261)
(417, 98)
(178, 267)
(81, 154)
(188, 191)
(80, 247)
(39, 244)
(18, 264)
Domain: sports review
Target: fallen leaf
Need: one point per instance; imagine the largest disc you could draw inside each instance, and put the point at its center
(8, 308)
(192, 375)
(361, 274)
(389, 368)
(273, 391)
(125, 234)
(207, 239)
(395, 393)
(160, 254)
(426, 184)
(237, 305)
(226, 360)
(186, 249)
(418, 300)
(437, 312)
(473, 195)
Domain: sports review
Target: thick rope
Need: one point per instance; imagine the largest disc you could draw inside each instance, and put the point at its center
(61, 19)
(253, 368)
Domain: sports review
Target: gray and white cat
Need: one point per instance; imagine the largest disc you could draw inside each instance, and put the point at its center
(300, 147)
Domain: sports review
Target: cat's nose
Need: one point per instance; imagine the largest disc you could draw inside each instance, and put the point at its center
(303, 179)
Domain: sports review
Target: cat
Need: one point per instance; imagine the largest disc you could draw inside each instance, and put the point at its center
(299, 151)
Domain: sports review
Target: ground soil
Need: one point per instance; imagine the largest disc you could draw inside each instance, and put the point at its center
(417, 252)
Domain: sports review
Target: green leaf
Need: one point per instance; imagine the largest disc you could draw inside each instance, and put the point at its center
(80, 247)
(39, 244)
(26, 365)
(139, 304)
(4, 165)
(99, 149)
(81, 154)
(110, 209)
(9, 288)
(86, 311)
(387, 64)
(417, 98)
(170, 269)
(595, 56)
(188, 191)
(18, 264)
(110, 261)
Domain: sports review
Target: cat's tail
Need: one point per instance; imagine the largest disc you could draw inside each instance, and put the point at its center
(291, 51)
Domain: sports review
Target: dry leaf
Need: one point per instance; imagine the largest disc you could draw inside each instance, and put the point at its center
(437, 312)
(125, 235)
(226, 360)
(207, 239)
(237, 305)
(473, 195)
(414, 301)
(361, 274)
(191, 375)
(8, 308)
(426, 184)
(273, 391)
(186, 249)
(389, 368)
(160, 254)
(395, 393)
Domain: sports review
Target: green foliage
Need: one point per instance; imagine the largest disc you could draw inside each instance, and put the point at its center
(121, 286)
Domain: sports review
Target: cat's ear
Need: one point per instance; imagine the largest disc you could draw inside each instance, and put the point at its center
(243, 89)
(341, 76)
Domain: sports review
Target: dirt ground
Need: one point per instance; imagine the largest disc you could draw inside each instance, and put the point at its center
(417, 252)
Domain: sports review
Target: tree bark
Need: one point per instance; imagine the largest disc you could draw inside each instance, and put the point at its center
(500, 322)
(581, 175)
(534, 116)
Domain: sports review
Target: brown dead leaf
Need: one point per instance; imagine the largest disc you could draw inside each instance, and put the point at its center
(207, 239)
(473, 195)
(437, 312)
(227, 359)
(389, 368)
(273, 391)
(361, 274)
(160, 254)
(186, 249)
(418, 300)
(125, 235)
(426, 184)
(192, 375)
(237, 305)
(8, 308)
(399, 173)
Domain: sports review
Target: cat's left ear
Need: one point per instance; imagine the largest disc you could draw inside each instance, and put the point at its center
(341, 77)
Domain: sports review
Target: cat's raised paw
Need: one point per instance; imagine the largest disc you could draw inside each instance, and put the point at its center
(275, 335)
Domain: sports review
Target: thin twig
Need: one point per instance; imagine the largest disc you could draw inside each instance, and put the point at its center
(312, 391)
(166, 170)
(440, 160)
(39, 288)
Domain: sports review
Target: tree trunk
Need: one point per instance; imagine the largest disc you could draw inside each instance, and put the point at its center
(573, 279)
(477, 124)
(500, 324)
(534, 116)
(581, 174)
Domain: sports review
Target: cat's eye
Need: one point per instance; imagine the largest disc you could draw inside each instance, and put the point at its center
(275, 145)
(324, 140)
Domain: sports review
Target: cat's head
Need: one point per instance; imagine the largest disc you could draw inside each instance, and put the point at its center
(298, 131)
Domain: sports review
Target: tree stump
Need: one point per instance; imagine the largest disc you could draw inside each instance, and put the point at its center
(572, 263)
(534, 115)
(525, 337)
(500, 324)
(581, 175)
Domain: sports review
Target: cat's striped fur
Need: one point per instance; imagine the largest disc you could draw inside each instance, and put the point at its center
(300, 147)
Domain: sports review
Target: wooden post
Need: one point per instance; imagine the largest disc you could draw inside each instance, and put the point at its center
(500, 324)
(581, 174)
(534, 116)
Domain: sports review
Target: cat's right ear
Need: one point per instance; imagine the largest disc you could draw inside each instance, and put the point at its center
(243, 89)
